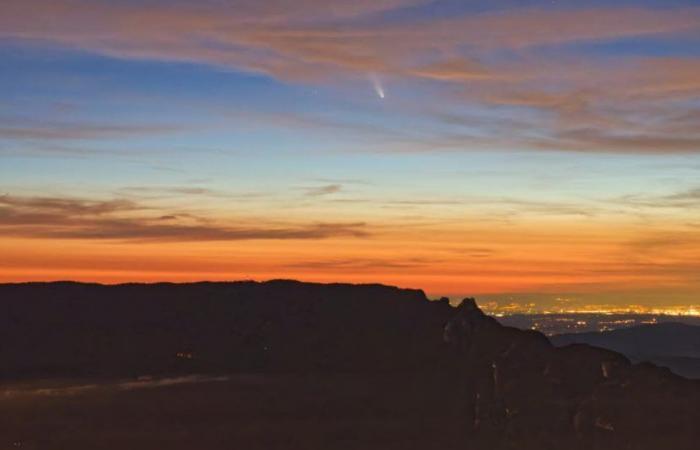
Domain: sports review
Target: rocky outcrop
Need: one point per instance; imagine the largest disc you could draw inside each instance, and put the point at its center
(519, 388)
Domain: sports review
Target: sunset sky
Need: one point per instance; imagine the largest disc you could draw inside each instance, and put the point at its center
(528, 151)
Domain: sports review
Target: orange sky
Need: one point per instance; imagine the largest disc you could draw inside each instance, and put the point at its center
(547, 257)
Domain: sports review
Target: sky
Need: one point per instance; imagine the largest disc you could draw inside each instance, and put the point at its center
(536, 152)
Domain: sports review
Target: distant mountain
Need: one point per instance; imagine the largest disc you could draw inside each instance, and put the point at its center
(492, 386)
(672, 345)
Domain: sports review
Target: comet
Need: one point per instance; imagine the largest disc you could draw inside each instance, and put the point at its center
(377, 84)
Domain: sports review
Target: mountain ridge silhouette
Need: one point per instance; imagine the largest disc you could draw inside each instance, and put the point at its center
(501, 386)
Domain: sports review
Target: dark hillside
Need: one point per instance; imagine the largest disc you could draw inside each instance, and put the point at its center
(333, 366)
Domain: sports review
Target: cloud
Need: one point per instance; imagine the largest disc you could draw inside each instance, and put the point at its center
(473, 252)
(500, 60)
(171, 190)
(685, 199)
(66, 206)
(323, 190)
(668, 248)
(361, 264)
(689, 195)
(548, 208)
(143, 230)
(64, 218)
(596, 140)
(305, 38)
(507, 206)
(13, 128)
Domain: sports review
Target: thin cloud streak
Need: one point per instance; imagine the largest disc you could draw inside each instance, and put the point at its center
(361, 264)
(61, 218)
(685, 199)
(17, 129)
(323, 190)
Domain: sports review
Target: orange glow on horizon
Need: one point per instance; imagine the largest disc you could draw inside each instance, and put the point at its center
(441, 261)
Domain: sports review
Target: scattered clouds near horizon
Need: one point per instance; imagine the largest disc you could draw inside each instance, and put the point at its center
(124, 220)
(522, 63)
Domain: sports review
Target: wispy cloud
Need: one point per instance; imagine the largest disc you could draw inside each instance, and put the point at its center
(14, 128)
(323, 190)
(65, 218)
(314, 37)
(499, 60)
(684, 199)
(66, 206)
(362, 264)
(156, 191)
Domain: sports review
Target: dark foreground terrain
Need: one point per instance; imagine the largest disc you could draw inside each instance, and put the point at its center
(306, 366)
(240, 411)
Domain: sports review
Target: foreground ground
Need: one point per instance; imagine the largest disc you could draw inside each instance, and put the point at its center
(337, 367)
(242, 411)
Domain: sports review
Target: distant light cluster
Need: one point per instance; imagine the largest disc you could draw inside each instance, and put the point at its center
(582, 322)
(499, 310)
